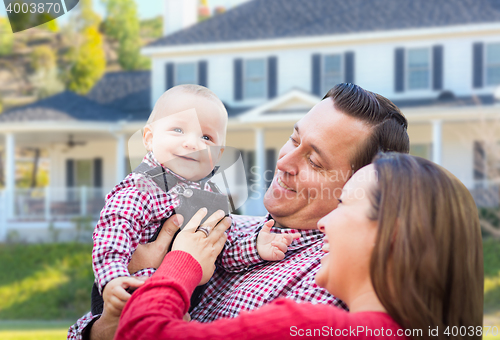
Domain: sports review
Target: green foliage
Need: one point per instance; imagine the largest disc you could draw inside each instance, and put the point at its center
(491, 251)
(6, 37)
(122, 25)
(152, 28)
(86, 17)
(45, 281)
(88, 62)
(51, 26)
(43, 57)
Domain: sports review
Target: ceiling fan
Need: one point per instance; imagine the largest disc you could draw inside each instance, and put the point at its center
(71, 143)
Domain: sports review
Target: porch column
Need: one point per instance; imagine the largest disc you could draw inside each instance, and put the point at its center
(120, 157)
(260, 163)
(10, 173)
(437, 143)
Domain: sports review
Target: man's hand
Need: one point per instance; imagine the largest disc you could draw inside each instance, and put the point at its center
(150, 255)
(115, 294)
(272, 247)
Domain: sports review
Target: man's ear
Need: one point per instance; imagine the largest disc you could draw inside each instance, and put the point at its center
(147, 137)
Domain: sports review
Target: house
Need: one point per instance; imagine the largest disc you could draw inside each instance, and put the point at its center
(270, 62)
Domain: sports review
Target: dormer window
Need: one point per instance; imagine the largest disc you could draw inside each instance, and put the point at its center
(419, 68)
(254, 83)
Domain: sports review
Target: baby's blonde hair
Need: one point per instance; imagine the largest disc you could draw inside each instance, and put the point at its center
(194, 89)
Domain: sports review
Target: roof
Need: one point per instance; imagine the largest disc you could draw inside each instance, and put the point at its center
(272, 19)
(447, 100)
(128, 92)
(65, 106)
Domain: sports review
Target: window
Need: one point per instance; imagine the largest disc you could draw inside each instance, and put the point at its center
(493, 64)
(185, 73)
(332, 71)
(254, 83)
(419, 67)
(83, 173)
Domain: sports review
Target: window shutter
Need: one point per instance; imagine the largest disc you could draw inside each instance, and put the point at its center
(97, 172)
(238, 79)
(169, 76)
(202, 73)
(349, 67)
(70, 173)
(316, 74)
(477, 65)
(272, 77)
(437, 67)
(399, 70)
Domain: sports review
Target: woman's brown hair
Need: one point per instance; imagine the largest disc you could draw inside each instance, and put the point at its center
(427, 263)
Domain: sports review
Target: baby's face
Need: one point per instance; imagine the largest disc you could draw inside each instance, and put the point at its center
(188, 136)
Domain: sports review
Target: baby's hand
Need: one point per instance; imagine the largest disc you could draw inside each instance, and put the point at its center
(115, 293)
(272, 247)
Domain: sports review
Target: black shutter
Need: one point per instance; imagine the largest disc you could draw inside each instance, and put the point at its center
(316, 74)
(202, 73)
(479, 161)
(437, 67)
(399, 70)
(349, 67)
(70, 173)
(169, 75)
(477, 65)
(272, 77)
(97, 172)
(238, 79)
(270, 166)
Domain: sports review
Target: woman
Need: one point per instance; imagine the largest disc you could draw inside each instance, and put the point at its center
(403, 251)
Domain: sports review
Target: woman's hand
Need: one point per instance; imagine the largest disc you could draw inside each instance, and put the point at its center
(203, 248)
(150, 255)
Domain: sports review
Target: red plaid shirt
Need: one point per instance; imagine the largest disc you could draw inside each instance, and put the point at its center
(252, 283)
(131, 215)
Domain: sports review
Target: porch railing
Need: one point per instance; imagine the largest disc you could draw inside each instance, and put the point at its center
(55, 204)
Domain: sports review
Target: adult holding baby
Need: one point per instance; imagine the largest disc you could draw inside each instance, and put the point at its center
(404, 251)
(338, 136)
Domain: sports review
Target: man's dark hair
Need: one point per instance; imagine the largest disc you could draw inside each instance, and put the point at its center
(389, 125)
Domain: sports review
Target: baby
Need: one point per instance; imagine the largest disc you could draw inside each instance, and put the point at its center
(185, 136)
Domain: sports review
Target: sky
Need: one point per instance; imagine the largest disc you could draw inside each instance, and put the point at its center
(147, 8)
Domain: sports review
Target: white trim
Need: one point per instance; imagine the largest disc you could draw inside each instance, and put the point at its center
(292, 43)
(256, 114)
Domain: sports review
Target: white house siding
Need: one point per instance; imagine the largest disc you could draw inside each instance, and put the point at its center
(374, 64)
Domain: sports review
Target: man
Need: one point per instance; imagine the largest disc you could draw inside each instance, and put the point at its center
(337, 137)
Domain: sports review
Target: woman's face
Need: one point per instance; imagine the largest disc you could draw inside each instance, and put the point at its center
(349, 238)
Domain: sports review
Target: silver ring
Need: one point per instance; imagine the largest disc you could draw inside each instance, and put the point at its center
(205, 230)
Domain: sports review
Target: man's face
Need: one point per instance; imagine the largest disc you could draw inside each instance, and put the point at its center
(313, 166)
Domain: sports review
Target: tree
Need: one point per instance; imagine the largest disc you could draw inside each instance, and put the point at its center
(6, 37)
(89, 62)
(86, 59)
(122, 25)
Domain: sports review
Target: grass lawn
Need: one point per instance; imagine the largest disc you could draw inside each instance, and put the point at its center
(53, 281)
(34, 330)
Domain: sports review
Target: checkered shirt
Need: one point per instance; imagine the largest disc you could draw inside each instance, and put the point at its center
(131, 215)
(256, 283)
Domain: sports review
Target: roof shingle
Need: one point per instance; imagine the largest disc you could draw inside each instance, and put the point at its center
(272, 19)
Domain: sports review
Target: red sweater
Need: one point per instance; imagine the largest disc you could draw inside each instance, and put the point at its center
(155, 311)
